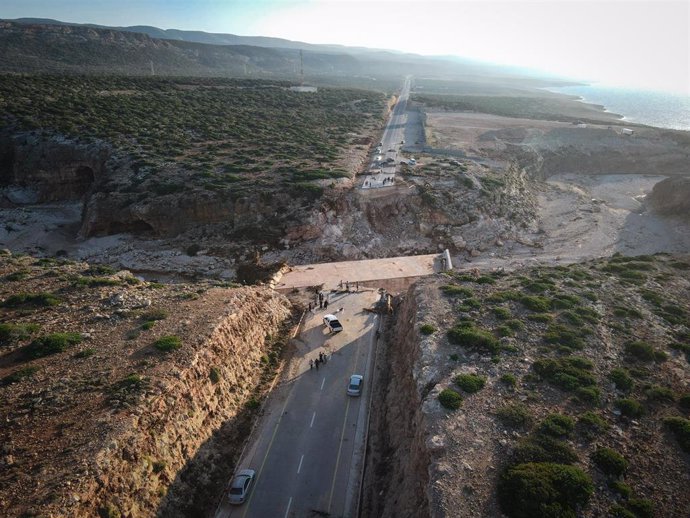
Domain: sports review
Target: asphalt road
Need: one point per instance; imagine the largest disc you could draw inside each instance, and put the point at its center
(391, 140)
(308, 448)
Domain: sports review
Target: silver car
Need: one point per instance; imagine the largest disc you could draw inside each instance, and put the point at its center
(241, 484)
(354, 387)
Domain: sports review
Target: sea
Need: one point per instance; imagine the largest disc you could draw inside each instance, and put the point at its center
(660, 109)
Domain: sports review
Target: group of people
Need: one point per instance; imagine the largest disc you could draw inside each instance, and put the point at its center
(388, 179)
(323, 358)
(321, 300)
(348, 284)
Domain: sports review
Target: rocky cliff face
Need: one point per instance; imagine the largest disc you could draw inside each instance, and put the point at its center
(397, 478)
(44, 169)
(671, 196)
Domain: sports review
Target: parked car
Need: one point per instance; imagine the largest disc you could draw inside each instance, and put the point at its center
(241, 484)
(332, 323)
(354, 387)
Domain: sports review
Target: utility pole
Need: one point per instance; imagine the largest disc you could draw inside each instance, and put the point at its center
(153, 73)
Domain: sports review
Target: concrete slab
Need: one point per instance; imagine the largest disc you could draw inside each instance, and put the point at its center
(331, 274)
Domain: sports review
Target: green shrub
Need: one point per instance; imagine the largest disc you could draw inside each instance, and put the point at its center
(214, 375)
(51, 344)
(621, 378)
(30, 300)
(470, 383)
(503, 296)
(591, 395)
(252, 404)
(544, 490)
(536, 303)
(640, 507)
(629, 407)
(427, 329)
(621, 488)
(158, 466)
(86, 353)
(565, 301)
(450, 399)
(640, 350)
(168, 343)
(14, 332)
(504, 331)
(515, 415)
(681, 430)
(568, 373)
(502, 313)
(560, 335)
(455, 290)
(542, 448)
(511, 381)
(473, 338)
(20, 374)
(148, 324)
(557, 425)
(154, 314)
(591, 425)
(609, 461)
(657, 393)
(515, 324)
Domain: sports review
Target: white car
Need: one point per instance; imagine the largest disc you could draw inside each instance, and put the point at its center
(354, 387)
(241, 484)
(332, 323)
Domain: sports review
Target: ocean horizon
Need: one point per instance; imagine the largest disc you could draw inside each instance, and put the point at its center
(659, 109)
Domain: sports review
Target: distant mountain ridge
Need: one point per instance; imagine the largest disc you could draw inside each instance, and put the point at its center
(51, 46)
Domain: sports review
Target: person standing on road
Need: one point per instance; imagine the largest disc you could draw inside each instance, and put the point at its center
(310, 307)
(316, 364)
(311, 364)
(321, 356)
(325, 304)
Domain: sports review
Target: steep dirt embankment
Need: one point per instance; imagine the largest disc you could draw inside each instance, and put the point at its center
(102, 418)
(396, 480)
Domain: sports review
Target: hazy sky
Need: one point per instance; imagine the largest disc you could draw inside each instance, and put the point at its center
(638, 44)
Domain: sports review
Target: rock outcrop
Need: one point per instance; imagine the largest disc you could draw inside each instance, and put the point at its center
(671, 196)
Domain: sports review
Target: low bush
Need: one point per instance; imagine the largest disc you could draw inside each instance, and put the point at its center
(470, 383)
(168, 343)
(214, 375)
(41, 299)
(427, 329)
(20, 374)
(640, 350)
(542, 448)
(621, 378)
(684, 401)
(51, 344)
(591, 425)
(563, 336)
(503, 296)
(515, 324)
(659, 394)
(502, 313)
(557, 425)
(154, 314)
(454, 290)
(681, 430)
(629, 407)
(515, 415)
(641, 507)
(543, 489)
(618, 511)
(621, 488)
(536, 303)
(469, 336)
(14, 332)
(568, 373)
(450, 399)
(589, 395)
(511, 381)
(86, 353)
(609, 461)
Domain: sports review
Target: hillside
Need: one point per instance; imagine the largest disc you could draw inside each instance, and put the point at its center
(502, 383)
